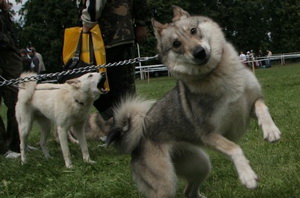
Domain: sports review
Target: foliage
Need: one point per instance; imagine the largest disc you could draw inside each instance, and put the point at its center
(259, 24)
(277, 165)
(43, 25)
(256, 24)
(284, 24)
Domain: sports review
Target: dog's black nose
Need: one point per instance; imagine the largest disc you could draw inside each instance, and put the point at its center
(199, 53)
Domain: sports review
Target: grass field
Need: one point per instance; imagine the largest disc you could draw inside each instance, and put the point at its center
(278, 165)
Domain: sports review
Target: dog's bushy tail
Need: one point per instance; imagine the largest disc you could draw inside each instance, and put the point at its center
(129, 123)
(26, 89)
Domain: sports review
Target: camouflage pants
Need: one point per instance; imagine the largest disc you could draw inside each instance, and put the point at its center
(121, 79)
(10, 68)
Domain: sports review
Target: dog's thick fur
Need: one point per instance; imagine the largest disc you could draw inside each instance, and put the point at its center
(67, 105)
(211, 105)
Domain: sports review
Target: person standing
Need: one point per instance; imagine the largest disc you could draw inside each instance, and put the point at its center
(259, 57)
(10, 68)
(122, 23)
(243, 58)
(269, 55)
(42, 68)
(26, 60)
(35, 63)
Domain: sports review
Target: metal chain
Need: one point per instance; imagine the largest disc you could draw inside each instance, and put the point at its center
(91, 68)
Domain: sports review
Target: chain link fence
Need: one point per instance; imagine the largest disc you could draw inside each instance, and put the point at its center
(93, 68)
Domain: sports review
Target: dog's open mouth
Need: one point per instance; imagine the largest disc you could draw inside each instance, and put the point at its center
(101, 83)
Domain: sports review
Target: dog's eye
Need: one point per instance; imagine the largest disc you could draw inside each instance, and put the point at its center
(90, 76)
(193, 31)
(176, 44)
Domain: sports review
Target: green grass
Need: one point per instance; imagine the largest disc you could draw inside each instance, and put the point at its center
(278, 165)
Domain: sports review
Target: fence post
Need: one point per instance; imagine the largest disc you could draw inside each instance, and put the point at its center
(140, 64)
(282, 59)
(253, 66)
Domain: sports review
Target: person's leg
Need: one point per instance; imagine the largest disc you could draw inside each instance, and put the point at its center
(121, 80)
(11, 67)
(10, 99)
(3, 146)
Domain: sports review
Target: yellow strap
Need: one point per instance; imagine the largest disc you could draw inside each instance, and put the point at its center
(71, 38)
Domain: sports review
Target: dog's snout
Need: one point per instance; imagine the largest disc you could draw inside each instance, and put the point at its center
(199, 53)
(103, 76)
(101, 83)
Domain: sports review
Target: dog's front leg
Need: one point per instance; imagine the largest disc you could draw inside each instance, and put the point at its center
(63, 139)
(270, 130)
(80, 134)
(246, 174)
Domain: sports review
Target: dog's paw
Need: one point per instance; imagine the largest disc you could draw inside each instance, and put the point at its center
(69, 166)
(193, 194)
(271, 133)
(90, 161)
(23, 162)
(48, 157)
(23, 159)
(249, 179)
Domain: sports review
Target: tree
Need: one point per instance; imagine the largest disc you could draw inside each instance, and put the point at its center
(256, 24)
(43, 26)
(283, 25)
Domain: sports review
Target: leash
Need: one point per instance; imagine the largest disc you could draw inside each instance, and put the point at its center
(87, 69)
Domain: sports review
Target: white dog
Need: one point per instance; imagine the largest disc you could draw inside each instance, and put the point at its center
(67, 105)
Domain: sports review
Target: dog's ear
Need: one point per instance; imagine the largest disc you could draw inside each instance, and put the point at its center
(74, 82)
(158, 27)
(179, 13)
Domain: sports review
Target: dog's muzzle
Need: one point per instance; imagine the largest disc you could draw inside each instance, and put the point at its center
(200, 55)
(101, 83)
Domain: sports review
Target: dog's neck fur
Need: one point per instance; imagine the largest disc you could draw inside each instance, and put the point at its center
(81, 98)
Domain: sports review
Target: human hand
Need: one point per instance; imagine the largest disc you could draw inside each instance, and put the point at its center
(141, 34)
(85, 29)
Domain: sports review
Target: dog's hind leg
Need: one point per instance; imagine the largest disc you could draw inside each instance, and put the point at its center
(45, 126)
(71, 137)
(270, 131)
(63, 139)
(153, 170)
(246, 174)
(25, 126)
(192, 164)
(80, 134)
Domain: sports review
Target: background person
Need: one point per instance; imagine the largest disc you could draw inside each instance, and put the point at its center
(35, 63)
(122, 23)
(26, 60)
(10, 68)
(243, 58)
(42, 68)
(259, 57)
(268, 62)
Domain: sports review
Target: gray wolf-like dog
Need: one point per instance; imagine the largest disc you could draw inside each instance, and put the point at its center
(67, 105)
(211, 105)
